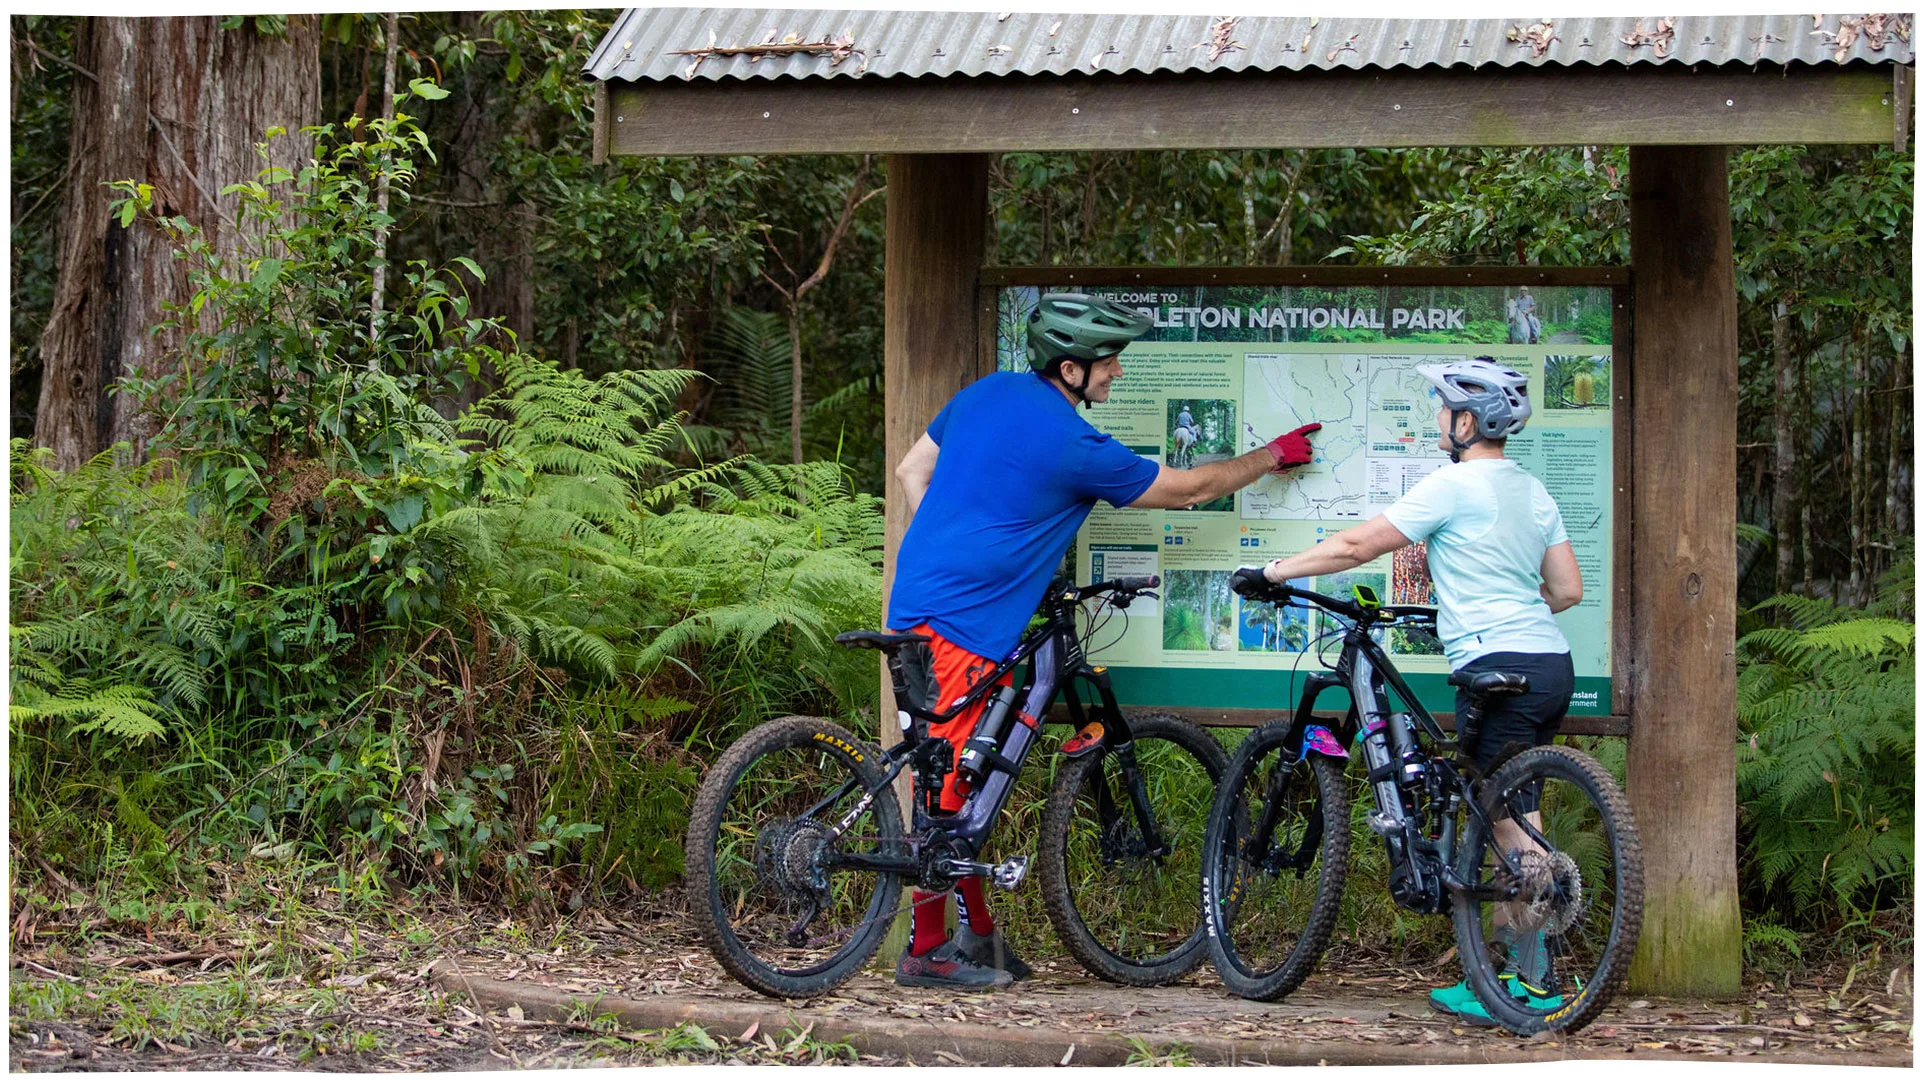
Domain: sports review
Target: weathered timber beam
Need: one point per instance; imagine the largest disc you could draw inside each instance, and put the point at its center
(1562, 106)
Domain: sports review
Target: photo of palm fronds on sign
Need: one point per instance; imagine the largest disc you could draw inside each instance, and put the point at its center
(1341, 586)
(1274, 627)
(1578, 382)
(1199, 612)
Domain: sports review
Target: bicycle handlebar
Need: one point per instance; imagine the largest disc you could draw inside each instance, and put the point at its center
(1123, 585)
(1251, 582)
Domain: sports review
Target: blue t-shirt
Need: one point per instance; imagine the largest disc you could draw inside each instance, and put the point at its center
(1018, 471)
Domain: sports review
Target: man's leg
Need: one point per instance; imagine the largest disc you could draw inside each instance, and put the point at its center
(931, 958)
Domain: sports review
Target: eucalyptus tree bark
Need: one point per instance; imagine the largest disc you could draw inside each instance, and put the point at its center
(380, 199)
(1786, 459)
(177, 103)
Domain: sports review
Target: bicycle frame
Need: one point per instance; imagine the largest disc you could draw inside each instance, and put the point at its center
(1367, 673)
(1049, 652)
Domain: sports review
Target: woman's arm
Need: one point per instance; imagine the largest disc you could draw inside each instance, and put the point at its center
(1341, 551)
(1560, 578)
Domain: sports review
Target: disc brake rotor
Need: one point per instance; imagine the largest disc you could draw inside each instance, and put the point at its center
(1551, 894)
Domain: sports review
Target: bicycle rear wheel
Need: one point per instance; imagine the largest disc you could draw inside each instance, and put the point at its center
(1552, 958)
(1271, 906)
(766, 898)
(1128, 915)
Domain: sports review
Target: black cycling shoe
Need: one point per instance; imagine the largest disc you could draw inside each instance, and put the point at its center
(945, 967)
(991, 950)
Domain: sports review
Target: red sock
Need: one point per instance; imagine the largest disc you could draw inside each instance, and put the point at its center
(929, 922)
(973, 904)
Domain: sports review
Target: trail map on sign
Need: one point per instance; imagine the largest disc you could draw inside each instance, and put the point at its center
(1226, 369)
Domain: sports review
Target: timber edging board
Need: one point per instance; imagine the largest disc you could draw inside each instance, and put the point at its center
(930, 1042)
(1612, 106)
(1247, 718)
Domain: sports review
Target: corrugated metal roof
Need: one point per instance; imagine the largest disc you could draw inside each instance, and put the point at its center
(643, 42)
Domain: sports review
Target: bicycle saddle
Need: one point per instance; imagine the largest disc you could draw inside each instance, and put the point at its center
(1480, 683)
(874, 639)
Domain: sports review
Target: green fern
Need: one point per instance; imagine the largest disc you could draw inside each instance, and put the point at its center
(1826, 708)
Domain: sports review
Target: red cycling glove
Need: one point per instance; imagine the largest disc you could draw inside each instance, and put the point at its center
(1293, 449)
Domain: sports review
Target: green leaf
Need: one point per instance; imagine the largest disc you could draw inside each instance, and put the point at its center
(472, 268)
(404, 513)
(266, 274)
(679, 194)
(426, 88)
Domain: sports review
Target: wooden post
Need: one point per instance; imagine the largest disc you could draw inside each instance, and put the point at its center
(1680, 760)
(936, 237)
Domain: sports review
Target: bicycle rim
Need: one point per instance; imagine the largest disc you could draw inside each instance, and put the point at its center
(1552, 958)
(1128, 915)
(762, 852)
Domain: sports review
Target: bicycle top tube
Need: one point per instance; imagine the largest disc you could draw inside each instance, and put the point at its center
(1058, 625)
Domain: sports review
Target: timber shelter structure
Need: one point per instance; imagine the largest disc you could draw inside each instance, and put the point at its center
(939, 92)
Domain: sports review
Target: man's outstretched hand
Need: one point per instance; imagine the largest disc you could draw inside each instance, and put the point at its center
(1293, 449)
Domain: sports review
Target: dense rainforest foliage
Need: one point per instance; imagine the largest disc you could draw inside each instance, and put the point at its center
(452, 573)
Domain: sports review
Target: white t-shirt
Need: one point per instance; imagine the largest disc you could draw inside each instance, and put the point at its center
(1488, 524)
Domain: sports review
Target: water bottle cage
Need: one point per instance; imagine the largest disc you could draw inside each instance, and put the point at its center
(989, 759)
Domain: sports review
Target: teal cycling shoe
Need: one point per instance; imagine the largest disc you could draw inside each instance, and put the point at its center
(1459, 1001)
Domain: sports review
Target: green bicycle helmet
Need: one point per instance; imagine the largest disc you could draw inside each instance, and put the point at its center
(1081, 328)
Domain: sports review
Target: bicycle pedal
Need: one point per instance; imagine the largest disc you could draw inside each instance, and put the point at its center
(1009, 874)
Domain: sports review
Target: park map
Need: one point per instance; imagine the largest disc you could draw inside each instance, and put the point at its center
(1227, 368)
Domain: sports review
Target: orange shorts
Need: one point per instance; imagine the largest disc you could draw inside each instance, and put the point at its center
(956, 671)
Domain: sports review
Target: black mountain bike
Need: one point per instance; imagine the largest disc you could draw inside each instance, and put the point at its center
(1542, 843)
(796, 849)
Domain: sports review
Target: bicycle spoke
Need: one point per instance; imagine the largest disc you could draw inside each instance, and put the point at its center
(788, 911)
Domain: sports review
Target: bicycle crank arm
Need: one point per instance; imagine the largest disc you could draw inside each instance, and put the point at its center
(1006, 875)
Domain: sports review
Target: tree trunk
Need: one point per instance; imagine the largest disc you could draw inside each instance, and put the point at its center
(1856, 476)
(1900, 457)
(177, 103)
(1803, 440)
(1786, 463)
(380, 199)
(799, 394)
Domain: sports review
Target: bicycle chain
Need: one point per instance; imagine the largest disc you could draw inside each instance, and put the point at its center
(838, 935)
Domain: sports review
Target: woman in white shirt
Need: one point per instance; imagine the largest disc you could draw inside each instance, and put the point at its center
(1502, 567)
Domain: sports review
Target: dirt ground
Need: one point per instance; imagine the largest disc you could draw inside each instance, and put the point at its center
(412, 1000)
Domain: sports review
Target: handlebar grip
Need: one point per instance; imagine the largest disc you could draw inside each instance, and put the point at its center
(1251, 582)
(1136, 584)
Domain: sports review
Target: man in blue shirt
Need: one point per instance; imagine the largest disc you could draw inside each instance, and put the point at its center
(1018, 470)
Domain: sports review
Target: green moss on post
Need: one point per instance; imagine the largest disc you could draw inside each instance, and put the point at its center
(1690, 946)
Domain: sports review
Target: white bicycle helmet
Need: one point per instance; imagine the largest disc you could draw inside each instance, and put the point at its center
(1492, 393)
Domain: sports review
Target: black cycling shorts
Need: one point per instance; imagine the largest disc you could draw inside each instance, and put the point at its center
(1530, 719)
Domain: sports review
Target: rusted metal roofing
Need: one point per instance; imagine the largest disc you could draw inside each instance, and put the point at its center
(650, 44)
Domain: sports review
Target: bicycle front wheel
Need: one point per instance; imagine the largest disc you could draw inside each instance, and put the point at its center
(1276, 865)
(768, 896)
(1553, 956)
(1127, 910)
